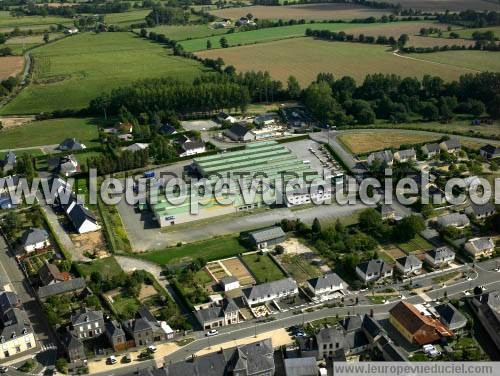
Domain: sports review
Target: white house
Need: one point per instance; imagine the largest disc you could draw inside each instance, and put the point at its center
(408, 264)
(440, 256)
(373, 270)
(229, 283)
(223, 117)
(480, 247)
(404, 156)
(326, 284)
(192, 147)
(34, 239)
(83, 219)
(270, 291)
(16, 335)
(431, 150)
(384, 157)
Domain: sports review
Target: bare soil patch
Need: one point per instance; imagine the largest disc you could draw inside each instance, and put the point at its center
(14, 121)
(304, 11)
(92, 242)
(238, 270)
(394, 252)
(147, 291)
(10, 66)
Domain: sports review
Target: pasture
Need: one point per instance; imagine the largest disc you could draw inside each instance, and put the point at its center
(473, 61)
(394, 29)
(281, 60)
(8, 23)
(126, 18)
(363, 141)
(443, 5)
(303, 11)
(467, 33)
(10, 66)
(184, 32)
(48, 132)
(462, 126)
(70, 72)
(20, 44)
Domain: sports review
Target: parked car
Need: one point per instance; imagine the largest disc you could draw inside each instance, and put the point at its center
(3, 369)
(212, 332)
(152, 349)
(126, 358)
(111, 359)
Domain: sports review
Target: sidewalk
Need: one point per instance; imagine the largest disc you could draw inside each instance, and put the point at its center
(99, 365)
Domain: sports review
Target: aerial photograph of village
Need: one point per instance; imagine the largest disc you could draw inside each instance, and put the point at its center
(250, 187)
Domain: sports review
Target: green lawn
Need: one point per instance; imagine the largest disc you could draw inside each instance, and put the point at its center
(106, 267)
(184, 32)
(211, 249)
(125, 306)
(48, 132)
(263, 268)
(299, 268)
(445, 277)
(416, 244)
(70, 72)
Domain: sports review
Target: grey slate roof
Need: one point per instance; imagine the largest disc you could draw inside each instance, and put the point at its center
(393, 353)
(301, 367)
(84, 315)
(409, 261)
(167, 129)
(267, 234)
(372, 326)
(450, 316)
(15, 323)
(34, 236)
(193, 145)
(216, 312)
(407, 153)
(452, 143)
(63, 287)
(113, 329)
(270, 288)
(355, 339)
(8, 299)
(9, 159)
(432, 147)
(326, 280)
(384, 156)
(227, 280)
(79, 214)
(239, 129)
(453, 219)
(484, 209)
(441, 253)
(491, 150)
(481, 244)
(374, 266)
(70, 144)
(351, 323)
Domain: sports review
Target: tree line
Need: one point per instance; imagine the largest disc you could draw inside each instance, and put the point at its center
(33, 9)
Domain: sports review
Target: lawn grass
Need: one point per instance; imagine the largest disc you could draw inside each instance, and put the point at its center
(185, 32)
(262, 267)
(281, 59)
(106, 267)
(49, 132)
(362, 142)
(300, 269)
(8, 23)
(211, 249)
(70, 72)
(125, 306)
(445, 277)
(418, 243)
(474, 61)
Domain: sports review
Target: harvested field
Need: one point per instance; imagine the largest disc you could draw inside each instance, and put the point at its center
(305, 11)
(418, 41)
(14, 121)
(367, 141)
(281, 60)
(395, 252)
(238, 270)
(443, 5)
(10, 66)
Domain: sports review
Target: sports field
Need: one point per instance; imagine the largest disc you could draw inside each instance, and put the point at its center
(10, 66)
(183, 32)
(443, 5)
(304, 11)
(70, 72)
(276, 33)
(8, 23)
(281, 60)
(49, 132)
(361, 142)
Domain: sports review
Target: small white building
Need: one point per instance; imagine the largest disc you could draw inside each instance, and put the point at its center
(440, 256)
(83, 219)
(326, 284)
(229, 283)
(408, 264)
(34, 239)
(373, 270)
(223, 117)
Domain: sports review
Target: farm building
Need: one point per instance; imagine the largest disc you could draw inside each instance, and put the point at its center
(267, 237)
(223, 117)
(265, 119)
(277, 162)
(489, 151)
(240, 132)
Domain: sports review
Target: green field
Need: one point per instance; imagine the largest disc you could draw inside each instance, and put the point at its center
(467, 33)
(462, 126)
(180, 32)
(70, 72)
(49, 132)
(126, 18)
(106, 267)
(472, 60)
(416, 244)
(211, 249)
(8, 23)
(263, 268)
(21, 44)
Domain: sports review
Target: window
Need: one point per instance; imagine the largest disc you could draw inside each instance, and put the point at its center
(6, 354)
(18, 349)
(29, 345)
(325, 346)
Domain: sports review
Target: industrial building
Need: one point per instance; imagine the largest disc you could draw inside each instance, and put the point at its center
(270, 159)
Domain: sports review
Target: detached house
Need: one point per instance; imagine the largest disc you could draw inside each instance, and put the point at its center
(451, 146)
(431, 150)
(440, 256)
(71, 144)
(489, 152)
(404, 156)
(33, 240)
(192, 147)
(480, 247)
(386, 211)
(83, 219)
(415, 326)
(384, 157)
(270, 291)
(486, 307)
(481, 211)
(450, 316)
(373, 270)
(217, 315)
(16, 333)
(87, 323)
(240, 132)
(408, 264)
(457, 220)
(326, 284)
